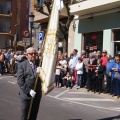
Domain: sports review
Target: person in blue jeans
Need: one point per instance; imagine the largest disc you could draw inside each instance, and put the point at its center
(79, 68)
(116, 77)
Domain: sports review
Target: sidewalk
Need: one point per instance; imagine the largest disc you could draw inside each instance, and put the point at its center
(105, 95)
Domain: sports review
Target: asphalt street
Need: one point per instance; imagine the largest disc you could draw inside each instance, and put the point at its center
(60, 104)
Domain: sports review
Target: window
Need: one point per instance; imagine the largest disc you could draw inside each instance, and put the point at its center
(117, 35)
(93, 41)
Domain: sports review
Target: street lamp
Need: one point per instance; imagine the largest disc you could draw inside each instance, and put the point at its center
(31, 20)
(16, 38)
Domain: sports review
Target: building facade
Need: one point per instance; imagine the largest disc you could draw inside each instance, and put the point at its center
(97, 25)
(13, 20)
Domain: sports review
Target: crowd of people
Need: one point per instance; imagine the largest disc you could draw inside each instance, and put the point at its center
(9, 61)
(96, 71)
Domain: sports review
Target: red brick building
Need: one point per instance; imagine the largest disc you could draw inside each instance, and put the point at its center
(13, 18)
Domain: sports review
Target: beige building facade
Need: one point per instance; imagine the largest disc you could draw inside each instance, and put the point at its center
(97, 25)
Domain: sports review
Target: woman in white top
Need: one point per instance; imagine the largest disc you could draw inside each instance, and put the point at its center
(79, 68)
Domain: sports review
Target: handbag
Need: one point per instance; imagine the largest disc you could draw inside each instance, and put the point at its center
(117, 75)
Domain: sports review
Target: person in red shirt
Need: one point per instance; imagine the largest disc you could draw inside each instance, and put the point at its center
(104, 58)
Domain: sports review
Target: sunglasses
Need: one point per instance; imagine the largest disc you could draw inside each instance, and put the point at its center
(32, 53)
(117, 59)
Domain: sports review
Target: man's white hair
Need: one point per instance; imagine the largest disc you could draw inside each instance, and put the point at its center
(30, 49)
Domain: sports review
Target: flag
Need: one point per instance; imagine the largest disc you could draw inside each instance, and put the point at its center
(50, 49)
(59, 4)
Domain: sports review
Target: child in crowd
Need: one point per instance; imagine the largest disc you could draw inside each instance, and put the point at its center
(79, 68)
(67, 81)
(57, 75)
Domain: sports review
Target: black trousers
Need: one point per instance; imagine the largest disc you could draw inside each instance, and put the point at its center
(100, 85)
(91, 75)
(109, 83)
(25, 104)
(67, 83)
(95, 83)
(1, 68)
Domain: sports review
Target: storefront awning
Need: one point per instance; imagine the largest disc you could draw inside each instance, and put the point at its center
(93, 6)
(45, 20)
(21, 43)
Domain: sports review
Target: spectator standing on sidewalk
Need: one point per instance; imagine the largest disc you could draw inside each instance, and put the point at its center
(16, 61)
(116, 77)
(75, 61)
(1, 62)
(100, 72)
(63, 68)
(104, 58)
(91, 71)
(110, 63)
(8, 58)
(79, 68)
(85, 76)
(57, 75)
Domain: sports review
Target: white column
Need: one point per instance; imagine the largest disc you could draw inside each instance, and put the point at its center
(107, 41)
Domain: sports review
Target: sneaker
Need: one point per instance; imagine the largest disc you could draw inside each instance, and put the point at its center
(68, 88)
(0, 74)
(78, 87)
(75, 85)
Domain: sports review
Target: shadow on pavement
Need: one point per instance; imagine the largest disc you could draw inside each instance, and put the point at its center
(111, 118)
(74, 119)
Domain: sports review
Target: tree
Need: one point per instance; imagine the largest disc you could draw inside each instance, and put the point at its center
(64, 26)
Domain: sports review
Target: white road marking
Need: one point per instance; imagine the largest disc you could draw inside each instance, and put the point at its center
(77, 93)
(6, 77)
(88, 99)
(61, 94)
(98, 107)
(12, 82)
(115, 108)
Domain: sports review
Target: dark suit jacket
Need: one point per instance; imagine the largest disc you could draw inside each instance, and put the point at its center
(26, 80)
(101, 69)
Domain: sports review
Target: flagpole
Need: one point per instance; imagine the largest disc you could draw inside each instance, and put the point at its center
(31, 102)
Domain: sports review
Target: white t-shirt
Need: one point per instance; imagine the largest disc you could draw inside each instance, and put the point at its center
(63, 63)
(79, 68)
(58, 70)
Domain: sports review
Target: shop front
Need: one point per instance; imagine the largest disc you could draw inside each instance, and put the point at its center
(98, 33)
